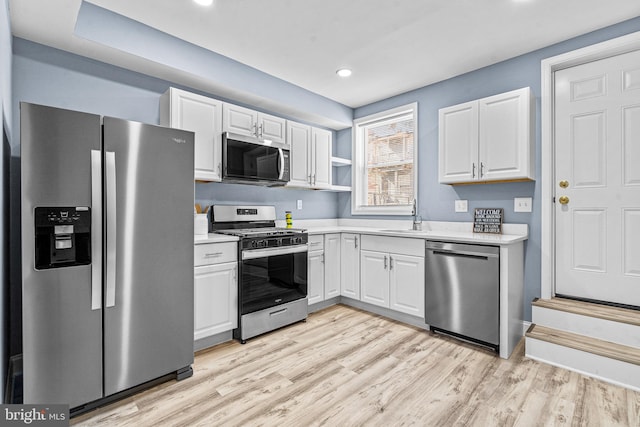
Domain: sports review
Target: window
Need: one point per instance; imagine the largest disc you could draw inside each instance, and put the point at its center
(385, 162)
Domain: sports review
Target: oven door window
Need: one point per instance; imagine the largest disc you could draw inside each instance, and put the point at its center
(270, 281)
(246, 160)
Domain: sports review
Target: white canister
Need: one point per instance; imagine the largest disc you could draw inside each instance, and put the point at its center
(200, 225)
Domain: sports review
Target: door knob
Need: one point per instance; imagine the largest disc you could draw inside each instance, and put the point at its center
(563, 200)
(563, 184)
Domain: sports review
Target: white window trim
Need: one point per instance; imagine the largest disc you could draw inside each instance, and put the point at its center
(358, 194)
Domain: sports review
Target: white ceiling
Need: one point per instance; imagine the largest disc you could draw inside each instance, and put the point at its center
(393, 46)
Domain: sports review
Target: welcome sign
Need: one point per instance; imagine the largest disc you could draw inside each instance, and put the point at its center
(488, 220)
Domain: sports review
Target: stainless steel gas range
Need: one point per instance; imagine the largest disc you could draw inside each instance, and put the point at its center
(272, 279)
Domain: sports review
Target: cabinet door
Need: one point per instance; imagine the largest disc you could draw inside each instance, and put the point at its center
(315, 277)
(299, 137)
(458, 143)
(350, 266)
(505, 148)
(215, 299)
(321, 161)
(406, 284)
(203, 116)
(240, 120)
(374, 278)
(272, 128)
(331, 265)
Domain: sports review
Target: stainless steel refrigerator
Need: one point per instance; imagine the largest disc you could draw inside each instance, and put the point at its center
(107, 254)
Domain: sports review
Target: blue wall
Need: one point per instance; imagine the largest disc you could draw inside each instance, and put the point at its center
(436, 201)
(49, 76)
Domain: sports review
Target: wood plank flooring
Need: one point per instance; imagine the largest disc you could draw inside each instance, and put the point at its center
(346, 367)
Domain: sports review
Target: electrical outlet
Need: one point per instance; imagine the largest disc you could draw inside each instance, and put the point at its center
(461, 206)
(299, 204)
(522, 204)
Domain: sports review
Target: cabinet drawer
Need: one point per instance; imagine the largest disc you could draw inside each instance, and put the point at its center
(215, 253)
(395, 245)
(316, 242)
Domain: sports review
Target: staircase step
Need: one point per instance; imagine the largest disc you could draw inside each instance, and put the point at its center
(614, 314)
(583, 343)
(610, 362)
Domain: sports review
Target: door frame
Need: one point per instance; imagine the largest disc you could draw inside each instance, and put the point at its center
(549, 66)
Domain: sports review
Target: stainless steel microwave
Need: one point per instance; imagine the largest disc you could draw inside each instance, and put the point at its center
(249, 160)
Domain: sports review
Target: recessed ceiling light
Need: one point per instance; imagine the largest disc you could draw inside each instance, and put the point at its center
(204, 2)
(343, 72)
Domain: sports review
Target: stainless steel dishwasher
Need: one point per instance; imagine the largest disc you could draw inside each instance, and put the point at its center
(462, 288)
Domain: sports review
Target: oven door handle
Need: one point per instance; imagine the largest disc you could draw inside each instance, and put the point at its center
(263, 253)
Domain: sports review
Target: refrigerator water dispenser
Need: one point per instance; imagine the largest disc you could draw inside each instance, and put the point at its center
(63, 237)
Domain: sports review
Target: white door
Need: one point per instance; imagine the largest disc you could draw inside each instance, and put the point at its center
(374, 274)
(504, 135)
(215, 299)
(203, 116)
(597, 180)
(406, 284)
(458, 143)
(331, 265)
(350, 266)
(239, 120)
(315, 277)
(272, 128)
(321, 158)
(299, 137)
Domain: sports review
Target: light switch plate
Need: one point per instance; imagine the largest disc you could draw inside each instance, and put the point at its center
(522, 204)
(299, 204)
(462, 206)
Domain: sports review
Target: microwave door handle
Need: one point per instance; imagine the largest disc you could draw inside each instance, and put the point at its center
(281, 163)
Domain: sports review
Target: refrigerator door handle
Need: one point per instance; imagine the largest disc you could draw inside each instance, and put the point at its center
(110, 160)
(96, 230)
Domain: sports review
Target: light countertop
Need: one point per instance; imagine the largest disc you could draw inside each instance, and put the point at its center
(431, 230)
(214, 238)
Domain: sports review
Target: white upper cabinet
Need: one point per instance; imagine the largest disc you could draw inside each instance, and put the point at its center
(490, 139)
(310, 156)
(299, 138)
(244, 121)
(202, 115)
(321, 152)
(458, 134)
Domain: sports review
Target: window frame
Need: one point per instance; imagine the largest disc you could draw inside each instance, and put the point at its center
(359, 204)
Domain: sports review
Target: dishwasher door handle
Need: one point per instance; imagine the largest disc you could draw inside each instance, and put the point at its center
(465, 254)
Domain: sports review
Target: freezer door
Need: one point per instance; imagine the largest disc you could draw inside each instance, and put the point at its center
(148, 330)
(61, 315)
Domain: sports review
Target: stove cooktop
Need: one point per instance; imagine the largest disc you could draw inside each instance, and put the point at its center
(261, 231)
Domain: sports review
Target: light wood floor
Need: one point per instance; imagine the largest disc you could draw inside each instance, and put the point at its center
(346, 367)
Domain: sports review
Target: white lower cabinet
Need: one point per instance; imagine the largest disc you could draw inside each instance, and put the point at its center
(374, 276)
(323, 271)
(406, 284)
(331, 265)
(315, 269)
(350, 265)
(393, 278)
(215, 289)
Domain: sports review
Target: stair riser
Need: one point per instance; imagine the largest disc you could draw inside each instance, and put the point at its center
(609, 370)
(607, 330)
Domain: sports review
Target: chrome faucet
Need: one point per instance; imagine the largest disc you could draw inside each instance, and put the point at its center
(417, 220)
